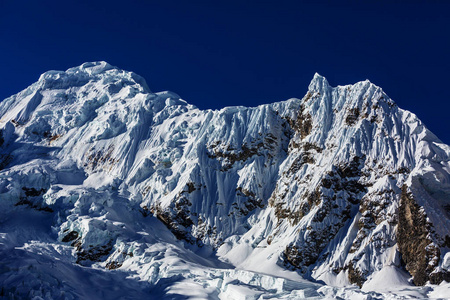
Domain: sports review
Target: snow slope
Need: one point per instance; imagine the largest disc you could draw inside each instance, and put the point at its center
(106, 184)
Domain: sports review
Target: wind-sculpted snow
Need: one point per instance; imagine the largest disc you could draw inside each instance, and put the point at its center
(108, 190)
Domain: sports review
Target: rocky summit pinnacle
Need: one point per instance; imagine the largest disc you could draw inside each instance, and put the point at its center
(305, 197)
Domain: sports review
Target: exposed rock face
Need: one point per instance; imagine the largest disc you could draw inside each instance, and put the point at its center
(33, 199)
(73, 235)
(339, 184)
(302, 124)
(420, 254)
(93, 254)
(352, 116)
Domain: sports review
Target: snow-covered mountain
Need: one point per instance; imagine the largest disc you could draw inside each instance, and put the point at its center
(108, 190)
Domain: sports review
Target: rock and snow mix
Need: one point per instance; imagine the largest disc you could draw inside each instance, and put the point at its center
(108, 190)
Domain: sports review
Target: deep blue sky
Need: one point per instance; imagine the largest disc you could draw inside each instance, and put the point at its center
(234, 53)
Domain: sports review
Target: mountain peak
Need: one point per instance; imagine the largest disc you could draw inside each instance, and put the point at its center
(318, 83)
(81, 75)
(85, 69)
(93, 68)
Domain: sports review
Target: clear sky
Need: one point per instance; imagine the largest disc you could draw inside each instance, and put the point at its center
(221, 53)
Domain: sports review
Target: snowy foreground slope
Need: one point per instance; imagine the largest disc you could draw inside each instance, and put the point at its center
(108, 190)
